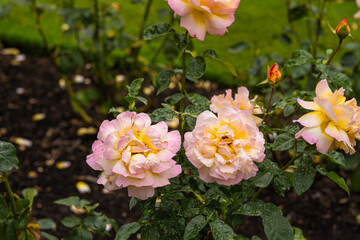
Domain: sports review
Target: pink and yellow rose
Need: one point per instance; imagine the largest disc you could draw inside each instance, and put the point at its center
(333, 123)
(240, 101)
(132, 153)
(225, 148)
(201, 16)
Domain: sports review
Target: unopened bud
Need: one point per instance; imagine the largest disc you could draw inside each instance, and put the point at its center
(274, 74)
(343, 29)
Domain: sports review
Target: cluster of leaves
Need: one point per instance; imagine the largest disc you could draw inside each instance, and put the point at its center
(15, 221)
(93, 222)
(15, 211)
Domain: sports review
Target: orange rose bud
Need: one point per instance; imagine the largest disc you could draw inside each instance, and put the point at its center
(274, 73)
(343, 29)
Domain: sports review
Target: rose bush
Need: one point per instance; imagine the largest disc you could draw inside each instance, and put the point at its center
(133, 154)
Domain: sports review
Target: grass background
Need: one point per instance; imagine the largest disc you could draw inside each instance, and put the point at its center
(258, 23)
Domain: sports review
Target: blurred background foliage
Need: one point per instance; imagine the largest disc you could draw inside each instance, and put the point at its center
(261, 28)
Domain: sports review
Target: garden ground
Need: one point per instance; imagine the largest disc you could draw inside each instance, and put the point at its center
(323, 212)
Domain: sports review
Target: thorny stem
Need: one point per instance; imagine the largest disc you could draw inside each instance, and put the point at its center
(10, 193)
(269, 103)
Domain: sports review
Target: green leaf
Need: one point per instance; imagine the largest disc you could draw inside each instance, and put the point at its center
(298, 57)
(81, 233)
(210, 53)
(263, 180)
(8, 158)
(71, 222)
(91, 207)
(283, 142)
(149, 233)
(181, 41)
(238, 47)
(200, 102)
(132, 203)
(172, 100)
(4, 209)
(162, 80)
(114, 111)
(73, 200)
(194, 227)
(22, 220)
(30, 193)
(221, 231)
(141, 99)
(298, 234)
(251, 209)
(96, 223)
(338, 180)
(162, 114)
(46, 224)
(134, 87)
(281, 183)
(157, 30)
(288, 110)
(276, 226)
(337, 158)
(48, 236)
(196, 68)
(10, 229)
(22, 205)
(126, 230)
(340, 80)
(303, 178)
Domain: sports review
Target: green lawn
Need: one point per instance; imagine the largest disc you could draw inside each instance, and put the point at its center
(258, 23)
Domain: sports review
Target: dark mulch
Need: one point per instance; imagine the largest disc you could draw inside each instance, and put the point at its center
(323, 212)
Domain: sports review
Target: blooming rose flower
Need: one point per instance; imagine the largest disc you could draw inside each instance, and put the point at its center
(241, 102)
(333, 123)
(357, 14)
(225, 148)
(201, 16)
(133, 154)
